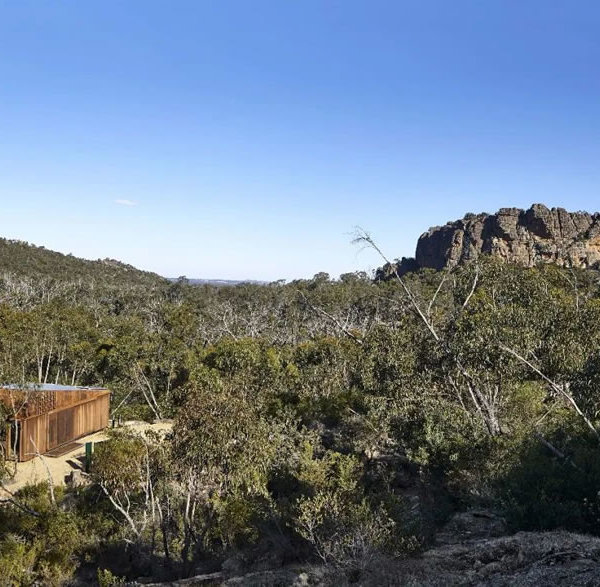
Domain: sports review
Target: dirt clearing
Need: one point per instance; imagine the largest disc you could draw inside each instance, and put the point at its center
(36, 470)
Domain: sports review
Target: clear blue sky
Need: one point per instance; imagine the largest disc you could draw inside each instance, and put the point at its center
(253, 135)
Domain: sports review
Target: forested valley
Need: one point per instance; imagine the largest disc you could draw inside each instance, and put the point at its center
(323, 423)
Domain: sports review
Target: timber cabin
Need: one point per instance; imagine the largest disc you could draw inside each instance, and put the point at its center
(46, 416)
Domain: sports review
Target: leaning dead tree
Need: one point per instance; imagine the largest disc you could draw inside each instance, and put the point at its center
(484, 396)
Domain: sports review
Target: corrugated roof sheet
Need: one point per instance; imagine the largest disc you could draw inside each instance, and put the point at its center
(47, 387)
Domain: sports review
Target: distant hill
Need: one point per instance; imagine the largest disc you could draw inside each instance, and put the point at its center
(28, 260)
(526, 237)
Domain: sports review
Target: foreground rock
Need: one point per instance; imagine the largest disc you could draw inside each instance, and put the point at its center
(540, 559)
(527, 558)
(526, 237)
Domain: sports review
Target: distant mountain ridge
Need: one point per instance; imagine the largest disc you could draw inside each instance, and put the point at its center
(32, 261)
(219, 282)
(22, 258)
(526, 237)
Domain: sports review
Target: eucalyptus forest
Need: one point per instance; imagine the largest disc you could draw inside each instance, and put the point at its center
(331, 424)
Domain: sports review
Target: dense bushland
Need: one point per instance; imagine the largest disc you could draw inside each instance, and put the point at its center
(333, 421)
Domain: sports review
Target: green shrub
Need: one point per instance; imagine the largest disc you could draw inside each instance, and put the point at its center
(545, 491)
(107, 579)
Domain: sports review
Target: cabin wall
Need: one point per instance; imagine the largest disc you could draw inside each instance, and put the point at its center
(28, 403)
(73, 397)
(60, 426)
(35, 402)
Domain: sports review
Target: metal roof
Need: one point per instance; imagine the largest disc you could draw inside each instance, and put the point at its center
(48, 387)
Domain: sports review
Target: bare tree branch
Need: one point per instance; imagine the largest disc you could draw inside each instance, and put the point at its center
(560, 389)
(365, 238)
(435, 295)
(14, 501)
(333, 319)
(121, 509)
(43, 460)
(473, 288)
(557, 452)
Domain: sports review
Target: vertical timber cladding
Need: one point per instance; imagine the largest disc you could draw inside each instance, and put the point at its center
(48, 431)
(33, 437)
(73, 413)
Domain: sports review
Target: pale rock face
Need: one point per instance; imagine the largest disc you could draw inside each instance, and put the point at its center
(526, 237)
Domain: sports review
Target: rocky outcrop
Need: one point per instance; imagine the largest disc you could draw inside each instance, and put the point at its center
(535, 559)
(526, 237)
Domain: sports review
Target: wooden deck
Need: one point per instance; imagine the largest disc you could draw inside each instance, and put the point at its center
(64, 449)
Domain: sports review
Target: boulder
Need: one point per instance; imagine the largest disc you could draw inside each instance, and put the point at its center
(78, 478)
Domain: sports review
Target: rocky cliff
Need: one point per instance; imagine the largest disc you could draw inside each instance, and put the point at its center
(527, 237)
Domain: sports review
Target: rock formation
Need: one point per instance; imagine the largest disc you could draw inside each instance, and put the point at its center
(526, 237)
